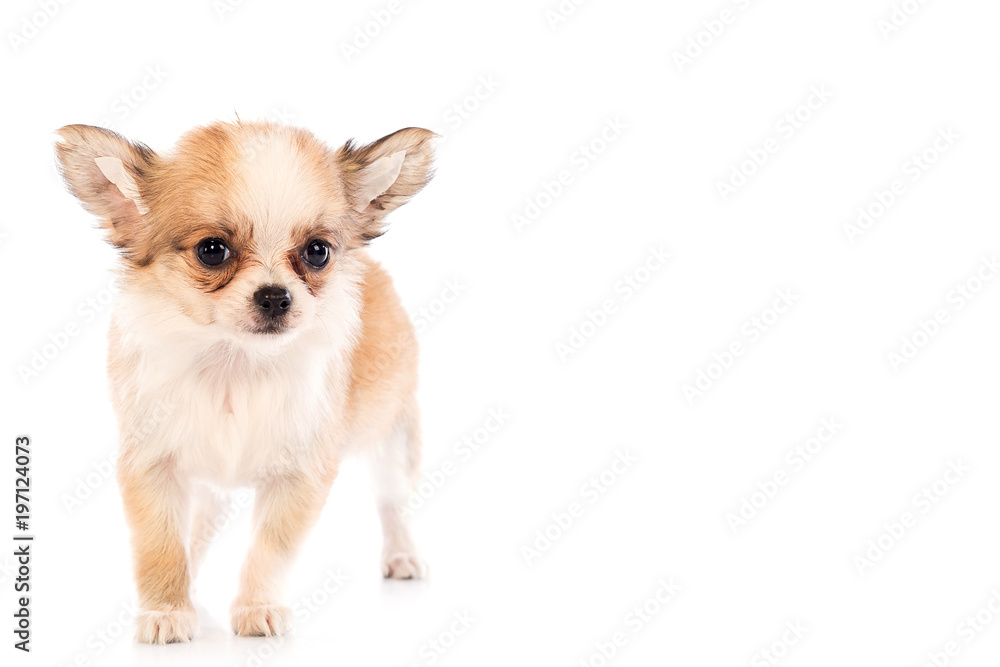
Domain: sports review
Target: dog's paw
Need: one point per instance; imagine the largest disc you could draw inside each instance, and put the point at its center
(402, 565)
(264, 620)
(165, 626)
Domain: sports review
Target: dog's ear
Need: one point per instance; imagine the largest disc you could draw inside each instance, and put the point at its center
(383, 175)
(107, 173)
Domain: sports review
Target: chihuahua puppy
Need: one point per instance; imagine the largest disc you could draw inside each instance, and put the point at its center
(253, 343)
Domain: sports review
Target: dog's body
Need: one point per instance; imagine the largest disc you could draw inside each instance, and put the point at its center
(254, 343)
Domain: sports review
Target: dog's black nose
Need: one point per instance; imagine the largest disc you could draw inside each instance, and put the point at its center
(273, 300)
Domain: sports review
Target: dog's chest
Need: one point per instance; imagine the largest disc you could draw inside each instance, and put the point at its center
(242, 422)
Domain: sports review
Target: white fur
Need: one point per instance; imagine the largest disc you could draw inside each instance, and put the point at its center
(248, 413)
(393, 486)
(276, 191)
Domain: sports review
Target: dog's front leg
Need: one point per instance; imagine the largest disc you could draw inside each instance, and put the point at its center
(285, 509)
(156, 508)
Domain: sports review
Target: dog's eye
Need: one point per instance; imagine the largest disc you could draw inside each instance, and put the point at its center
(317, 253)
(213, 252)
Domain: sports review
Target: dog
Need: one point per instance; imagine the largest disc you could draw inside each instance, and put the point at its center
(253, 343)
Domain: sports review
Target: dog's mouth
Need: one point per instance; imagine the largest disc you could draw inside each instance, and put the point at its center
(264, 337)
(267, 329)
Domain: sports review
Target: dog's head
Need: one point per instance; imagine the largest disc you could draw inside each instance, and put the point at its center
(245, 228)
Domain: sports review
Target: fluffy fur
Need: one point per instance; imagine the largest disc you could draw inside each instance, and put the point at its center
(205, 400)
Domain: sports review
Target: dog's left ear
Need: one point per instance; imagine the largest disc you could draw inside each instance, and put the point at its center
(383, 175)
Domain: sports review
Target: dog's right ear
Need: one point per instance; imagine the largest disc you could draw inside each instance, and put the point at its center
(107, 173)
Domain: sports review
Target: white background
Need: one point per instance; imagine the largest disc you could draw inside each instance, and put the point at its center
(684, 128)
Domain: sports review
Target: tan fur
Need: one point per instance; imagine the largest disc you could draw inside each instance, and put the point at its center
(384, 363)
(266, 191)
